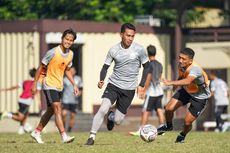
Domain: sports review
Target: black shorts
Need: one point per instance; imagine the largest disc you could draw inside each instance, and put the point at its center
(52, 96)
(152, 103)
(23, 108)
(70, 107)
(197, 105)
(123, 98)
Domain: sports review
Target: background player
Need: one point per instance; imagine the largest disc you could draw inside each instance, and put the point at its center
(24, 102)
(154, 93)
(70, 102)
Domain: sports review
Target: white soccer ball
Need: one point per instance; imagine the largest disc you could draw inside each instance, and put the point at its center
(148, 133)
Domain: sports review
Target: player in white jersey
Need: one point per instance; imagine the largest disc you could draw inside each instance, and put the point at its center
(220, 91)
(128, 57)
(70, 101)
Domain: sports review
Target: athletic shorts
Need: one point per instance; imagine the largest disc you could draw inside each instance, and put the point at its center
(52, 96)
(23, 108)
(70, 107)
(123, 98)
(152, 103)
(197, 105)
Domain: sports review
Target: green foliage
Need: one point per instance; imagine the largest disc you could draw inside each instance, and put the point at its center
(96, 10)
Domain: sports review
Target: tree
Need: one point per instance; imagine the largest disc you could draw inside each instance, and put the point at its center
(98, 10)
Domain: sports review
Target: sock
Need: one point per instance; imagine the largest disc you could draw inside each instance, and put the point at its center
(92, 135)
(161, 125)
(21, 127)
(38, 131)
(182, 133)
(69, 129)
(169, 124)
(111, 116)
(9, 115)
(63, 135)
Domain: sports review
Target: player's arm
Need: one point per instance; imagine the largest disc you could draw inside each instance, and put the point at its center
(144, 74)
(147, 82)
(102, 75)
(36, 78)
(186, 81)
(140, 90)
(10, 88)
(70, 78)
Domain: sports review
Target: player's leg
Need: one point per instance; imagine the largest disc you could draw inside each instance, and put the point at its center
(180, 98)
(146, 111)
(172, 105)
(72, 119)
(64, 113)
(145, 117)
(59, 122)
(159, 109)
(219, 121)
(58, 117)
(18, 117)
(36, 134)
(144, 120)
(98, 119)
(23, 108)
(109, 97)
(196, 107)
(161, 117)
(123, 103)
(26, 126)
(189, 119)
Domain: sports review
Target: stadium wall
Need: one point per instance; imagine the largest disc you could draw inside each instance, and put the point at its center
(19, 52)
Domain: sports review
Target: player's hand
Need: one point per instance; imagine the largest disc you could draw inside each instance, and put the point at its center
(34, 88)
(166, 82)
(141, 92)
(100, 84)
(75, 90)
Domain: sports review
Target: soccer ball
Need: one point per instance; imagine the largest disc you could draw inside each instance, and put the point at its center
(148, 133)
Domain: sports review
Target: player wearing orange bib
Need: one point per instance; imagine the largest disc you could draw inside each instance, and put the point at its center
(194, 90)
(56, 62)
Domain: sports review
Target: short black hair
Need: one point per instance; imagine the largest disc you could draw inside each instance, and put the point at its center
(69, 31)
(151, 50)
(127, 26)
(189, 52)
(32, 72)
(213, 72)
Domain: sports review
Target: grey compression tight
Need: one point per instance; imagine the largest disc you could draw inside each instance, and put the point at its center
(103, 110)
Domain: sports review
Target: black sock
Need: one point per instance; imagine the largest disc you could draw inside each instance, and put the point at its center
(169, 124)
(182, 133)
(69, 129)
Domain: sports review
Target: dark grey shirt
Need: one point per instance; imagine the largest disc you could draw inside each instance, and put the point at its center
(155, 89)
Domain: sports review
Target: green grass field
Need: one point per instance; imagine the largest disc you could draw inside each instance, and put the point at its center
(106, 142)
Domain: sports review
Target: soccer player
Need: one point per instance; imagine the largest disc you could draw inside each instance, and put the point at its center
(128, 57)
(219, 90)
(70, 101)
(24, 102)
(194, 89)
(154, 91)
(56, 62)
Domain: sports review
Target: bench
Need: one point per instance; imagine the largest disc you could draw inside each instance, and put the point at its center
(212, 124)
